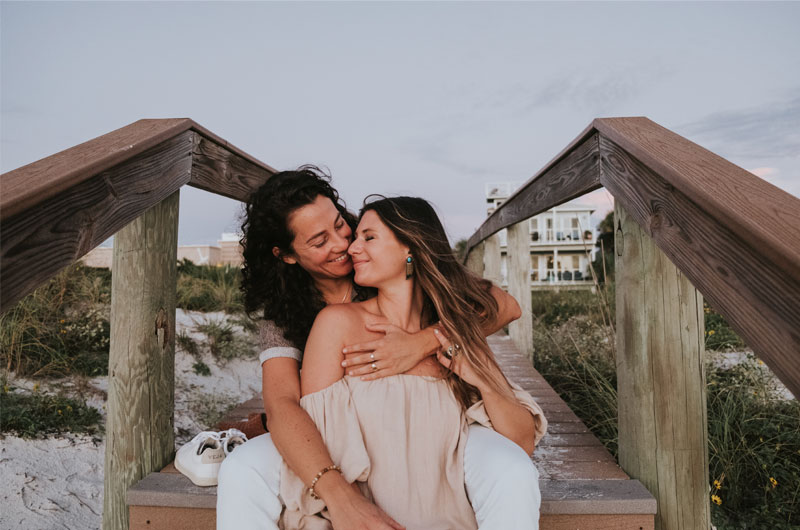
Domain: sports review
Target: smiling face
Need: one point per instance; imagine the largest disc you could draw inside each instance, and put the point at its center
(321, 238)
(377, 254)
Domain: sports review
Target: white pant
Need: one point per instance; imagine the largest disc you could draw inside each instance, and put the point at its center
(502, 484)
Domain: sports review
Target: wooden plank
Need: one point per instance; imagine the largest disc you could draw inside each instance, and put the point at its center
(168, 518)
(492, 259)
(519, 286)
(217, 169)
(141, 366)
(663, 439)
(596, 522)
(592, 453)
(574, 172)
(49, 177)
(171, 489)
(762, 215)
(754, 294)
(569, 439)
(595, 497)
(474, 260)
(38, 243)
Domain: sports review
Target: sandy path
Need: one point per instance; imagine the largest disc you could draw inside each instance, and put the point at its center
(57, 482)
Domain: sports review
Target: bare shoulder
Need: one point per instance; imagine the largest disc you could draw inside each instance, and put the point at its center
(323, 354)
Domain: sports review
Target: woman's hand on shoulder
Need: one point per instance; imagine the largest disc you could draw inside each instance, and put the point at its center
(397, 352)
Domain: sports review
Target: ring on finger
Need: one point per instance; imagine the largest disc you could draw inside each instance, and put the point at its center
(371, 356)
(448, 353)
(374, 367)
(456, 349)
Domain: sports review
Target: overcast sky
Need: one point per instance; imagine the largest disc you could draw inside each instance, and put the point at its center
(429, 99)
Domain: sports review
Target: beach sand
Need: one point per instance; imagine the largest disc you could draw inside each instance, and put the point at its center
(57, 482)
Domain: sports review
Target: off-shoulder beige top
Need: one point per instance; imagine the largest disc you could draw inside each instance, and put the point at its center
(402, 439)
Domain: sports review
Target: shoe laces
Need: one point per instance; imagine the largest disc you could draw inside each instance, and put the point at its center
(231, 439)
(202, 440)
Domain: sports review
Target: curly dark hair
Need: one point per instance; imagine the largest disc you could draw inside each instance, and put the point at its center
(285, 294)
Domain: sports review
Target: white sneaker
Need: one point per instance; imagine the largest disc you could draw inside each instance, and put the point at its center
(200, 458)
(231, 439)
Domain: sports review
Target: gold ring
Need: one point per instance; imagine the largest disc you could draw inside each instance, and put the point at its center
(374, 367)
(448, 353)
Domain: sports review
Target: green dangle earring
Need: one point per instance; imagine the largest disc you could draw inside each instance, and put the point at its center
(409, 267)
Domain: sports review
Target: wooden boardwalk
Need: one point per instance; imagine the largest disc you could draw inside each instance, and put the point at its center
(582, 486)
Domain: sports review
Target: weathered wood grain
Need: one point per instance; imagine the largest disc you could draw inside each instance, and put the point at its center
(519, 286)
(141, 371)
(474, 260)
(45, 238)
(37, 182)
(759, 299)
(760, 214)
(492, 260)
(217, 169)
(663, 440)
(573, 173)
(596, 522)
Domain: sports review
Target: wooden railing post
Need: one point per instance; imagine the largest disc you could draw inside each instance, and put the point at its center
(518, 250)
(661, 393)
(492, 258)
(475, 259)
(141, 371)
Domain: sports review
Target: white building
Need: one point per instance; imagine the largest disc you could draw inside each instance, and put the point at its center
(561, 242)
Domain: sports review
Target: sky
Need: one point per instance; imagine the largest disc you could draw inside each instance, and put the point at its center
(433, 99)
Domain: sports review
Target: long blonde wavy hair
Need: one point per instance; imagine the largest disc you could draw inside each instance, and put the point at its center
(460, 301)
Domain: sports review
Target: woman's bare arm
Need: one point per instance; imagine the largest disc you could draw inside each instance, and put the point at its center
(398, 350)
(507, 415)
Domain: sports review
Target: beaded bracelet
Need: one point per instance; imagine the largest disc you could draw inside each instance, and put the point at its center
(310, 490)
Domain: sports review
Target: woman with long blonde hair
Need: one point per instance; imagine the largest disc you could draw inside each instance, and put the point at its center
(401, 439)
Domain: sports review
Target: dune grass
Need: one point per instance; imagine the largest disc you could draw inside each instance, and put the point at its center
(754, 433)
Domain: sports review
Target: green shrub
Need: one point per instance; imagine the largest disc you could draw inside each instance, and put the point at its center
(223, 342)
(719, 335)
(201, 368)
(60, 328)
(552, 308)
(754, 439)
(38, 415)
(754, 435)
(207, 288)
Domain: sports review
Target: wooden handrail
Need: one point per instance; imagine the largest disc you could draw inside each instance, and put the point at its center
(55, 210)
(735, 236)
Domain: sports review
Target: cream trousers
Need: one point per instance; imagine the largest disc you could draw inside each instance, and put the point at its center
(502, 484)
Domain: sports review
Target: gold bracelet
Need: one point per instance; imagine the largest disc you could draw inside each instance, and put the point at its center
(324, 470)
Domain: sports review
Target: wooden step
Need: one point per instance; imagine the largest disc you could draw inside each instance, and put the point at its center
(582, 485)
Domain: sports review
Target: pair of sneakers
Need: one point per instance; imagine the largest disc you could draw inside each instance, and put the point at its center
(200, 458)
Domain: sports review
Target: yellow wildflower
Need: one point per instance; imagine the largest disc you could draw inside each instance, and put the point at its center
(760, 361)
(717, 484)
(59, 412)
(62, 321)
(36, 387)
(69, 408)
(761, 438)
(716, 500)
(773, 481)
(711, 332)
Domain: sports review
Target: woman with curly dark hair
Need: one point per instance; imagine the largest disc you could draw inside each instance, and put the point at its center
(296, 236)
